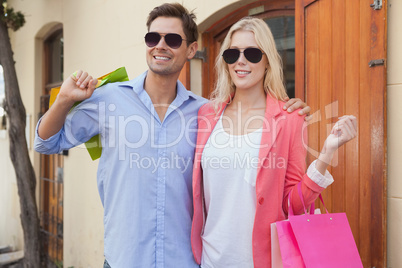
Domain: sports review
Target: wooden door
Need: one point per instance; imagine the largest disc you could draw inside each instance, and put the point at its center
(335, 41)
(185, 76)
(51, 171)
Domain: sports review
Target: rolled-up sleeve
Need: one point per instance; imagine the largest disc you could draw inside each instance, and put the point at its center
(322, 180)
(48, 146)
(81, 124)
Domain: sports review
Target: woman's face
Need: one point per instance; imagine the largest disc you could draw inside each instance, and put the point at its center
(245, 74)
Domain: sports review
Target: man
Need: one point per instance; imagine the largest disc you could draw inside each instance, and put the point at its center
(148, 134)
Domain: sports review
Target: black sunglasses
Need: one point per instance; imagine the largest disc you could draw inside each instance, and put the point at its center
(172, 40)
(252, 54)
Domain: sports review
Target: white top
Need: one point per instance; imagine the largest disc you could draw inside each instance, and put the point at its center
(229, 166)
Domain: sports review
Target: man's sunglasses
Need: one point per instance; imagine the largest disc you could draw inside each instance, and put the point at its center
(252, 54)
(172, 40)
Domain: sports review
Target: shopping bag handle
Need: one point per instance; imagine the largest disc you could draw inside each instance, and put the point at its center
(312, 207)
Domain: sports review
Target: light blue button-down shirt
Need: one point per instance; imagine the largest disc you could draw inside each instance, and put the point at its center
(144, 174)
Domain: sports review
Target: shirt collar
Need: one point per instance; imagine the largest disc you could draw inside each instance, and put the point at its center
(137, 85)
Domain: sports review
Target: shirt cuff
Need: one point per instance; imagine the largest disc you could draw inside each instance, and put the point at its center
(47, 146)
(322, 180)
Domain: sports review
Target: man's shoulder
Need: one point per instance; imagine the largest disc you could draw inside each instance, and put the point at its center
(197, 98)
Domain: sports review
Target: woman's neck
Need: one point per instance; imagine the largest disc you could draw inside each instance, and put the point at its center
(249, 99)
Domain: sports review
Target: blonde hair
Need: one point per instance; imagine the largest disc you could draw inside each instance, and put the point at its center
(273, 80)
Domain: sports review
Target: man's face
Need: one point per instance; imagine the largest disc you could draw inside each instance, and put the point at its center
(162, 59)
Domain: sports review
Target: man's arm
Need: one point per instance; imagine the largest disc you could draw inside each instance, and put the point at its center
(74, 88)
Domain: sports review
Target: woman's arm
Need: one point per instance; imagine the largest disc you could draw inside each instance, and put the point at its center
(343, 131)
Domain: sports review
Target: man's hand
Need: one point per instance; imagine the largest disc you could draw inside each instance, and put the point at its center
(77, 87)
(296, 103)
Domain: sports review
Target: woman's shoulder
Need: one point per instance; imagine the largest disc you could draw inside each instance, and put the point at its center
(207, 109)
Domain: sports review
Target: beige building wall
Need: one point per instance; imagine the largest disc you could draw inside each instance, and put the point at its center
(100, 36)
(394, 133)
(10, 224)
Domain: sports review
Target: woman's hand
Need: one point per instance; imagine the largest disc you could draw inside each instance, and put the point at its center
(343, 131)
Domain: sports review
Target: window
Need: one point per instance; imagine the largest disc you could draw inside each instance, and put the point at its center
(54, 60)
(283, 30)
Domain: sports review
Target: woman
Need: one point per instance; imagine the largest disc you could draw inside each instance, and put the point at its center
(251, 154)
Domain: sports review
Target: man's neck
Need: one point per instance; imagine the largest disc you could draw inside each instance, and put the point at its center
(162, 91)
(161, 88)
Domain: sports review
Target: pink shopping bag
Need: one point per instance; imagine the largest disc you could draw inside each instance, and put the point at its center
(289, 248)
(317, 240)
(276, 258)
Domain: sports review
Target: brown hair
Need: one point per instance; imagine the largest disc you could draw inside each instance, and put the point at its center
(176, 10)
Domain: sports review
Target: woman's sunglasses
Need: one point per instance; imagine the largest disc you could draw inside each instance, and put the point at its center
(252, 54)
(172, 40)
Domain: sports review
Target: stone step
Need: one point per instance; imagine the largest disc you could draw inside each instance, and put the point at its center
(11, 257)
(5, 249)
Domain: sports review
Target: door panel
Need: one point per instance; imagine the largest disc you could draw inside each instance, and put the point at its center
(51, 199)
(335, 41)
(184, 76)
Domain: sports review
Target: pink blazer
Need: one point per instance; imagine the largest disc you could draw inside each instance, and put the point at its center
(282, 165)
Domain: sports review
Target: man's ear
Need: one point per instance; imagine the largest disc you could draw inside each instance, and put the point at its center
(191, 50)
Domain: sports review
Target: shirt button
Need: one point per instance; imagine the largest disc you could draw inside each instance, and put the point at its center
(261, 200)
